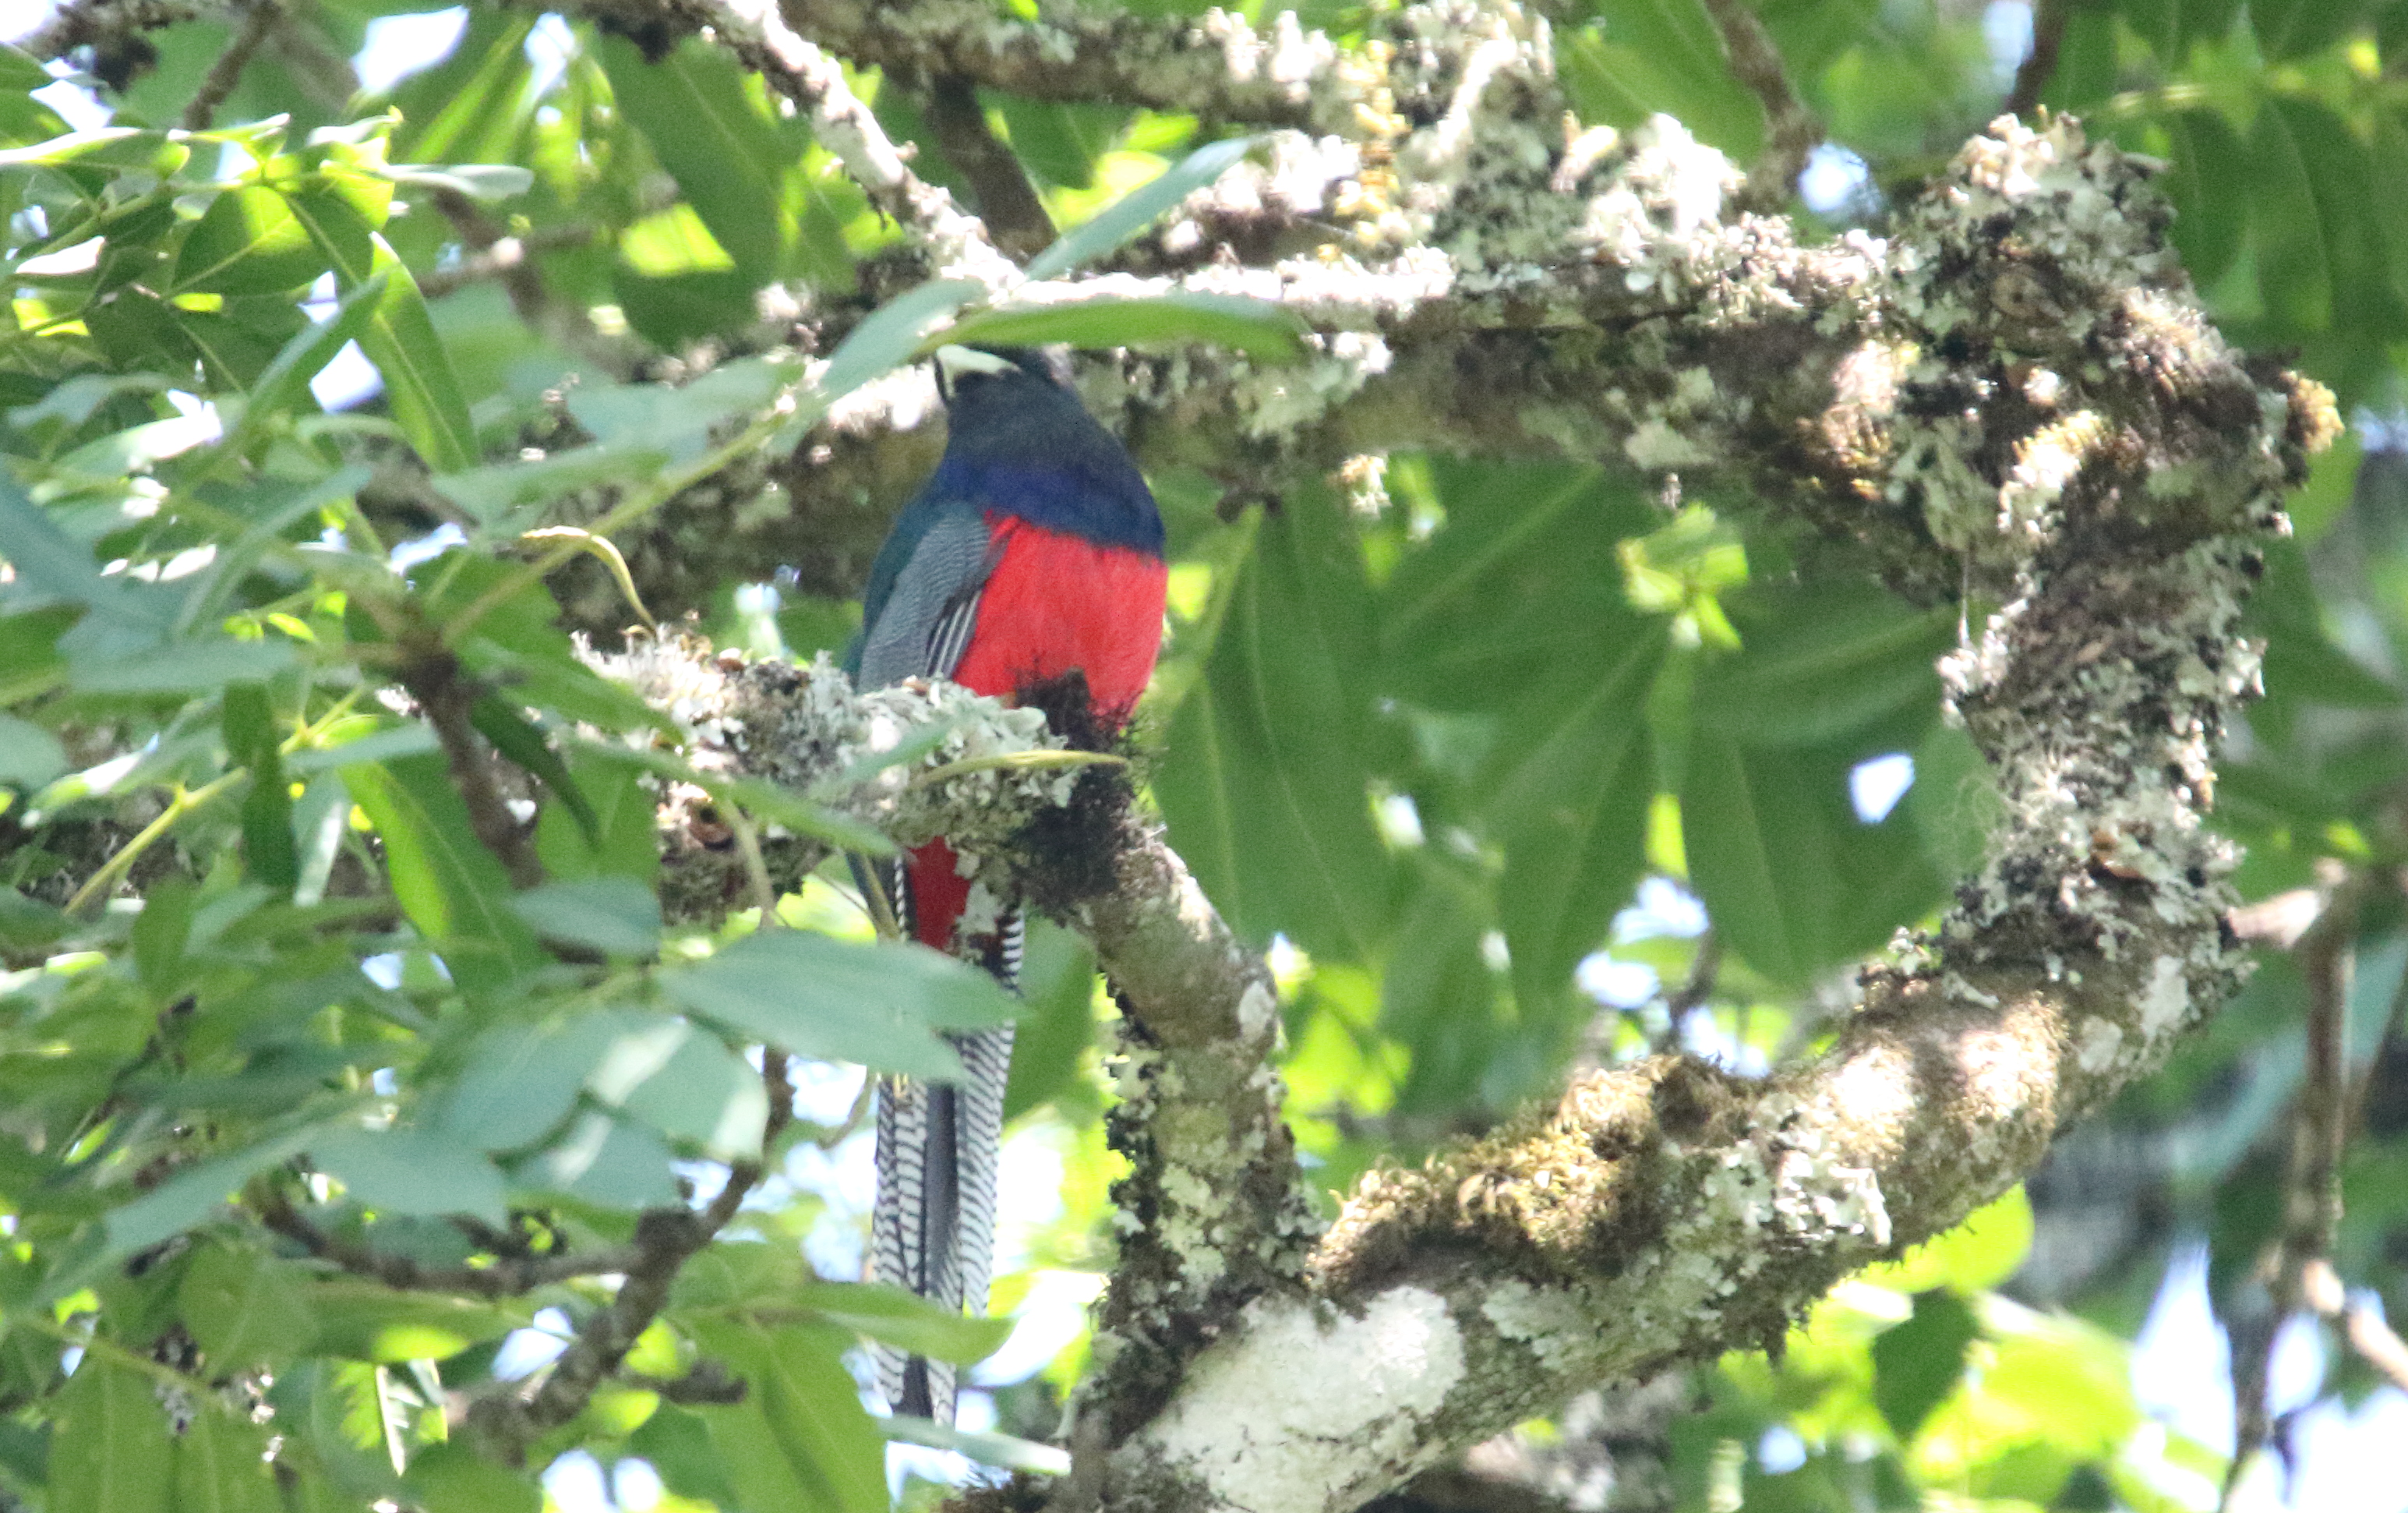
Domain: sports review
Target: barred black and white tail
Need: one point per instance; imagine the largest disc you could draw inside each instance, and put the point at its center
(939, 1150)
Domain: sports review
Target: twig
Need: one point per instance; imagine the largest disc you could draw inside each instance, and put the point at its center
(2374, 1340)
(443, 689)
(1007, 201)
(2312, 1188)
(708, 1382)
(260, 17)
(666, 1240)
(88, 22)
(508, 1276)
(2039, 66)
(114, 870)
(1699, 988)
(1791, 131)
(503, 257)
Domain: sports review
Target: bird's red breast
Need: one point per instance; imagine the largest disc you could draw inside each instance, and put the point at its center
(1055, 602)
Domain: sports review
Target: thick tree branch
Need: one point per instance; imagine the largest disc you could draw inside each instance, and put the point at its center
(1217, 65)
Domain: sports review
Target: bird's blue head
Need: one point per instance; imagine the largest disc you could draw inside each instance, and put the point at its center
(1020, 441)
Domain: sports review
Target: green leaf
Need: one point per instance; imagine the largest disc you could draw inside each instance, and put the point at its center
(222, 1465)
(1819, 663)
(889, 335)
(1979, 1254)
(51, 567)
(698, 109)
(1792, 879)
(268, 847)
(453, 1478)
(2170, 26)
(113, 148)
(1571, 813)
(623, 843)
(449, 885)
(604, 1162)
(680, 1445)
(1261, 330)
(1954, 803)
(1137, 209)
(474, 103)
(399, 337)
(800, 1438)
(363, 1320)
(2207, 181)
(702, 1094)
(521, 1080)
(244, 1309)
(184, 1199)
(1265, 785)
(1653, 56)
(487, 181)
(614, 914)
(110, 1452)
(248, 242)
(2321, 265)
(517, 738)
(2290, 29)
(412, 1170)
(284, 383)
(893, 1316)
(29, 754)
(1522, 582)
(835, 1001)
(1057, 1027)
(1916, 1364)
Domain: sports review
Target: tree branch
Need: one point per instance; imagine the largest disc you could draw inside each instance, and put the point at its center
(1791, 131)
(503, 1423)
(2049, 20)
(259, 18)
(1216, 66)
(508, 1276)
(1007, 201)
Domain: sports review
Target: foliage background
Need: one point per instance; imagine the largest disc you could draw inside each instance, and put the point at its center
(1433, 728)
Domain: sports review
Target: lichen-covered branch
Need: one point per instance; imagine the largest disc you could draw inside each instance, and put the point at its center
(1671, 1211)
(1216, 66)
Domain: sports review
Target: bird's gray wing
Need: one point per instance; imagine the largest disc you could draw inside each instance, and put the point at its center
(925, 625)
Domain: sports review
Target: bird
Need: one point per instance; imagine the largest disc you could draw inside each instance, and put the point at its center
(1033, 552)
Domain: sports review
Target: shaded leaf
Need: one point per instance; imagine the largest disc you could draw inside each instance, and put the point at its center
(110, 1452)
(1917, 1364)
(410, 1171)
(1135, 210)
(1261, 330)
(800, 1438)
(879, 1005)
(451, 887)
(1264, 784)
(894, 1316)
(246, 1308)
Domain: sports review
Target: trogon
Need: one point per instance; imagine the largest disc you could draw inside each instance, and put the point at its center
(1033, 552)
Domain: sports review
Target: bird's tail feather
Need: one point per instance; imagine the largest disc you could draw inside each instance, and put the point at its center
(933, 1230)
